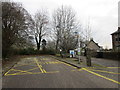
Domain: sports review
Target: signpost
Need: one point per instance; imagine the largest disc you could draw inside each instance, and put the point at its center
(79, 55)
(77, 34)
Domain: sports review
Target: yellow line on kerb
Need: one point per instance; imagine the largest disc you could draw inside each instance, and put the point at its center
(101, 76)
(40, 67)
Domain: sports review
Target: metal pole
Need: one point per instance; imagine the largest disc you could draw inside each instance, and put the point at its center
(77, 33)
(79, 49)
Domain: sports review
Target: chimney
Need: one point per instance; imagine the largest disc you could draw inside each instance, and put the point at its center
(91, 39)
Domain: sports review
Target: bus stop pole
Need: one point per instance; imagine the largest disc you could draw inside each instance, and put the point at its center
(78, 49)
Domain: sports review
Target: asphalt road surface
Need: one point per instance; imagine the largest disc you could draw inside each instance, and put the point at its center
(48, 72)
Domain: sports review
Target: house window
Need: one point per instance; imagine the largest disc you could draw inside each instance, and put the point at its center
(116, 39)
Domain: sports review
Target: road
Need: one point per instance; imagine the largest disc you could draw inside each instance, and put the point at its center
(48, 72)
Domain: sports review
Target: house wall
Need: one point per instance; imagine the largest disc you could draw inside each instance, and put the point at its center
(115, 41)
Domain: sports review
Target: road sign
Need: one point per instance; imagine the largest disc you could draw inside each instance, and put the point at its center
(78, 53)
(72, 53)
(79, 50)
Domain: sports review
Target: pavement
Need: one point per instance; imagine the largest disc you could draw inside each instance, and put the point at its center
(54, 72)
(95, 62)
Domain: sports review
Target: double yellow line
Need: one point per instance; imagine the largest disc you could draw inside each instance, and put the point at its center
(101, 76)
(40, 66)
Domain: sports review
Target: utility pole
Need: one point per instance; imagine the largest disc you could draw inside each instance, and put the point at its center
(77, 34)
(79, 48)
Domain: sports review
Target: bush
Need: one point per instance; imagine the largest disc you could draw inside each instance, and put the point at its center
(10, 52)
(48, 51)
(31, 51)
(27, 51)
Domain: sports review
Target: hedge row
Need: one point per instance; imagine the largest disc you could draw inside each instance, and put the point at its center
(31, 51)
(107, 55)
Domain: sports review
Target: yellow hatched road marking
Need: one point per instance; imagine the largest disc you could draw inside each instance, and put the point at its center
(31, 69)
(31, 73)
(43, 69)
(39, 65)
(24, 64)
(101, 76)
(26, 71)
(40, 62)
(7, 72)
(20, 71)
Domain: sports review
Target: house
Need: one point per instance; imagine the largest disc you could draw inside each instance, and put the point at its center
(93, 45)
(116, 40)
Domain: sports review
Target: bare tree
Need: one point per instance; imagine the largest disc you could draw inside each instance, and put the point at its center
(86, 32)
(15, 25)
(65, 24)
(40, 21)
(51, 45)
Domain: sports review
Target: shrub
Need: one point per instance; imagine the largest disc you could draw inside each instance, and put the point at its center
(31, 51)
(27, 51)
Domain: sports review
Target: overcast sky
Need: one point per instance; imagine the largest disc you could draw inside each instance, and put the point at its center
(102, 14)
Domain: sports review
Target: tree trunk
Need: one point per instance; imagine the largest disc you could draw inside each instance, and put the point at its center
(38, 46)
(56, 45)
(38, 43)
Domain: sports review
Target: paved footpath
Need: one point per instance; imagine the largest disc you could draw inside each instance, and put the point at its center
(52, 72)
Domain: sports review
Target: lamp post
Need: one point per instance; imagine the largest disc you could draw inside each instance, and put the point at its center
(61, 53)
(77, 34)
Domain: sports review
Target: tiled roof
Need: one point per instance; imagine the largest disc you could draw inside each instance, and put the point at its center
(93, 42)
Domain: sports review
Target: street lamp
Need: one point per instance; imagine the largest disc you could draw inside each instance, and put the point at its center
(61, 53)
(77, 34)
